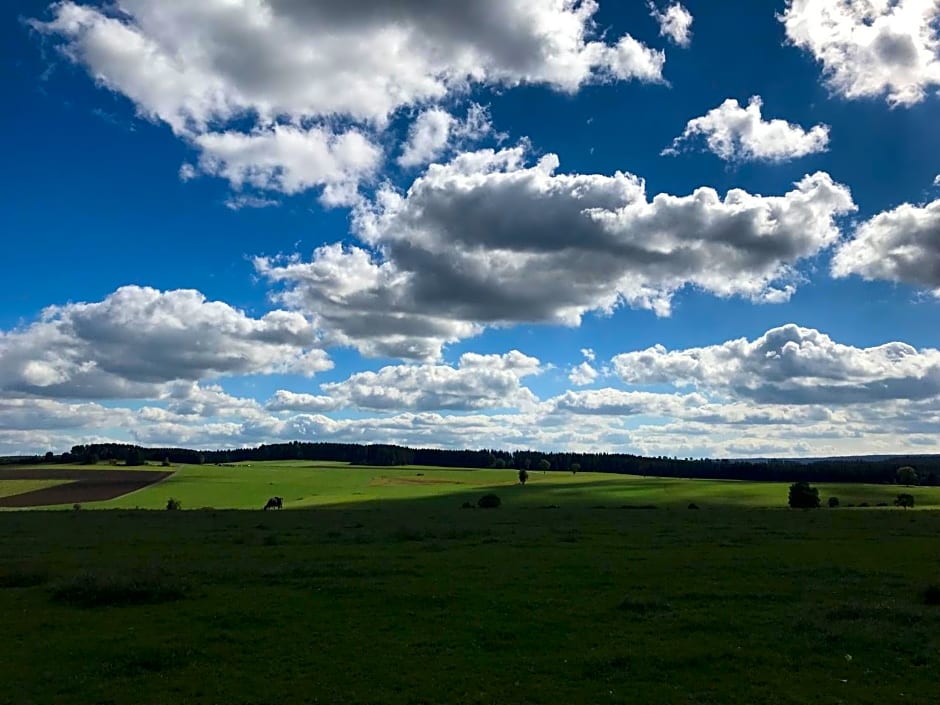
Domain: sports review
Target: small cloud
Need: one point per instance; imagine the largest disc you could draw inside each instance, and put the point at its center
(236, 203)
(736, 133)
(936, 180)
(435, 131)
(583, 374)
(187, 172)
(588, 354)
(675, 23)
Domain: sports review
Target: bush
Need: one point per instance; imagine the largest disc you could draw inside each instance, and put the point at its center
(489, 501)
(833, 502)
(467, 505)
(76, 506)
(523, 476)
(904, 500)
(93, 590)
(864, 504)
(906, 475)
(693, 505)
(173, 505)
(803, 496)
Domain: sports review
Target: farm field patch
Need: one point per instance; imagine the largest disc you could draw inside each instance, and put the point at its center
(61, 486)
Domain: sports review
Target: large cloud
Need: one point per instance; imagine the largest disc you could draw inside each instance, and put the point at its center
(900, 245)
(206, 67)
(870, 47)
(791, 365)
(138, 339)
(487, 240)
(734, 133)
(193, 63)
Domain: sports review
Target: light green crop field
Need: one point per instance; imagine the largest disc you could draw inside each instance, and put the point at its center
(378, 587)
(9, 488)
(311, 484)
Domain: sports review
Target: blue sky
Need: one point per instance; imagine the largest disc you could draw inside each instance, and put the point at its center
(212, 237)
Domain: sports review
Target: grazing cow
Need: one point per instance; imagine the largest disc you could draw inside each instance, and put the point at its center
(275, 503)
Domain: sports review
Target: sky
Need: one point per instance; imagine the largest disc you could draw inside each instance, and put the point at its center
(696, 230)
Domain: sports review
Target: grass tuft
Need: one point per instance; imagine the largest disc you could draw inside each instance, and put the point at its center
(23, 576)
(642, 606)
(101, 590)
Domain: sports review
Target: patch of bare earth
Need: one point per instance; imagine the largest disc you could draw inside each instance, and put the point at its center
(83, 485)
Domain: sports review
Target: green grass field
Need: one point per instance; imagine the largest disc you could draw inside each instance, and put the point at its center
(9, 488)
(381, 589)
(311, 484)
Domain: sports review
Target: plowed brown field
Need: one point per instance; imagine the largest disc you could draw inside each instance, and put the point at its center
(83, 485)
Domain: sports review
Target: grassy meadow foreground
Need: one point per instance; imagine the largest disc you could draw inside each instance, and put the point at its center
(566, 593)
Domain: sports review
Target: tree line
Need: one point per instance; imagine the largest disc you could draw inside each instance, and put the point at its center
(871, 470)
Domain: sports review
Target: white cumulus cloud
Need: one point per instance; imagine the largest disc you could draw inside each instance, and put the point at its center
(870, 48)
(287, 68)
(485, 240)
(791, 365)
(734, 133)
(899, 245)
(138, 339)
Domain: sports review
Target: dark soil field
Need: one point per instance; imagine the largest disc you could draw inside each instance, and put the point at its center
(86, 485)
(420, 601)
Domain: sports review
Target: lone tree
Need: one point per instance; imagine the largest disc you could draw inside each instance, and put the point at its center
(523, 475)
(544, 465)
(575, 467)
(906, 475)
(803, 496)
(904, 500)
(833, 502)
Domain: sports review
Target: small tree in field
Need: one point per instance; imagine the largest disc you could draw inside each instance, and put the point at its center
(833, 502)
(906, 476)
(544, 465)
(904, 500)
(523, 476)
(803, 496)
(575, 467)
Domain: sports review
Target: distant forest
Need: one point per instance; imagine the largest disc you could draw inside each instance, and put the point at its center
(879, 469)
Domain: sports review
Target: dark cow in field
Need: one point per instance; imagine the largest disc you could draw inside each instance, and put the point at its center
(275, 503)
